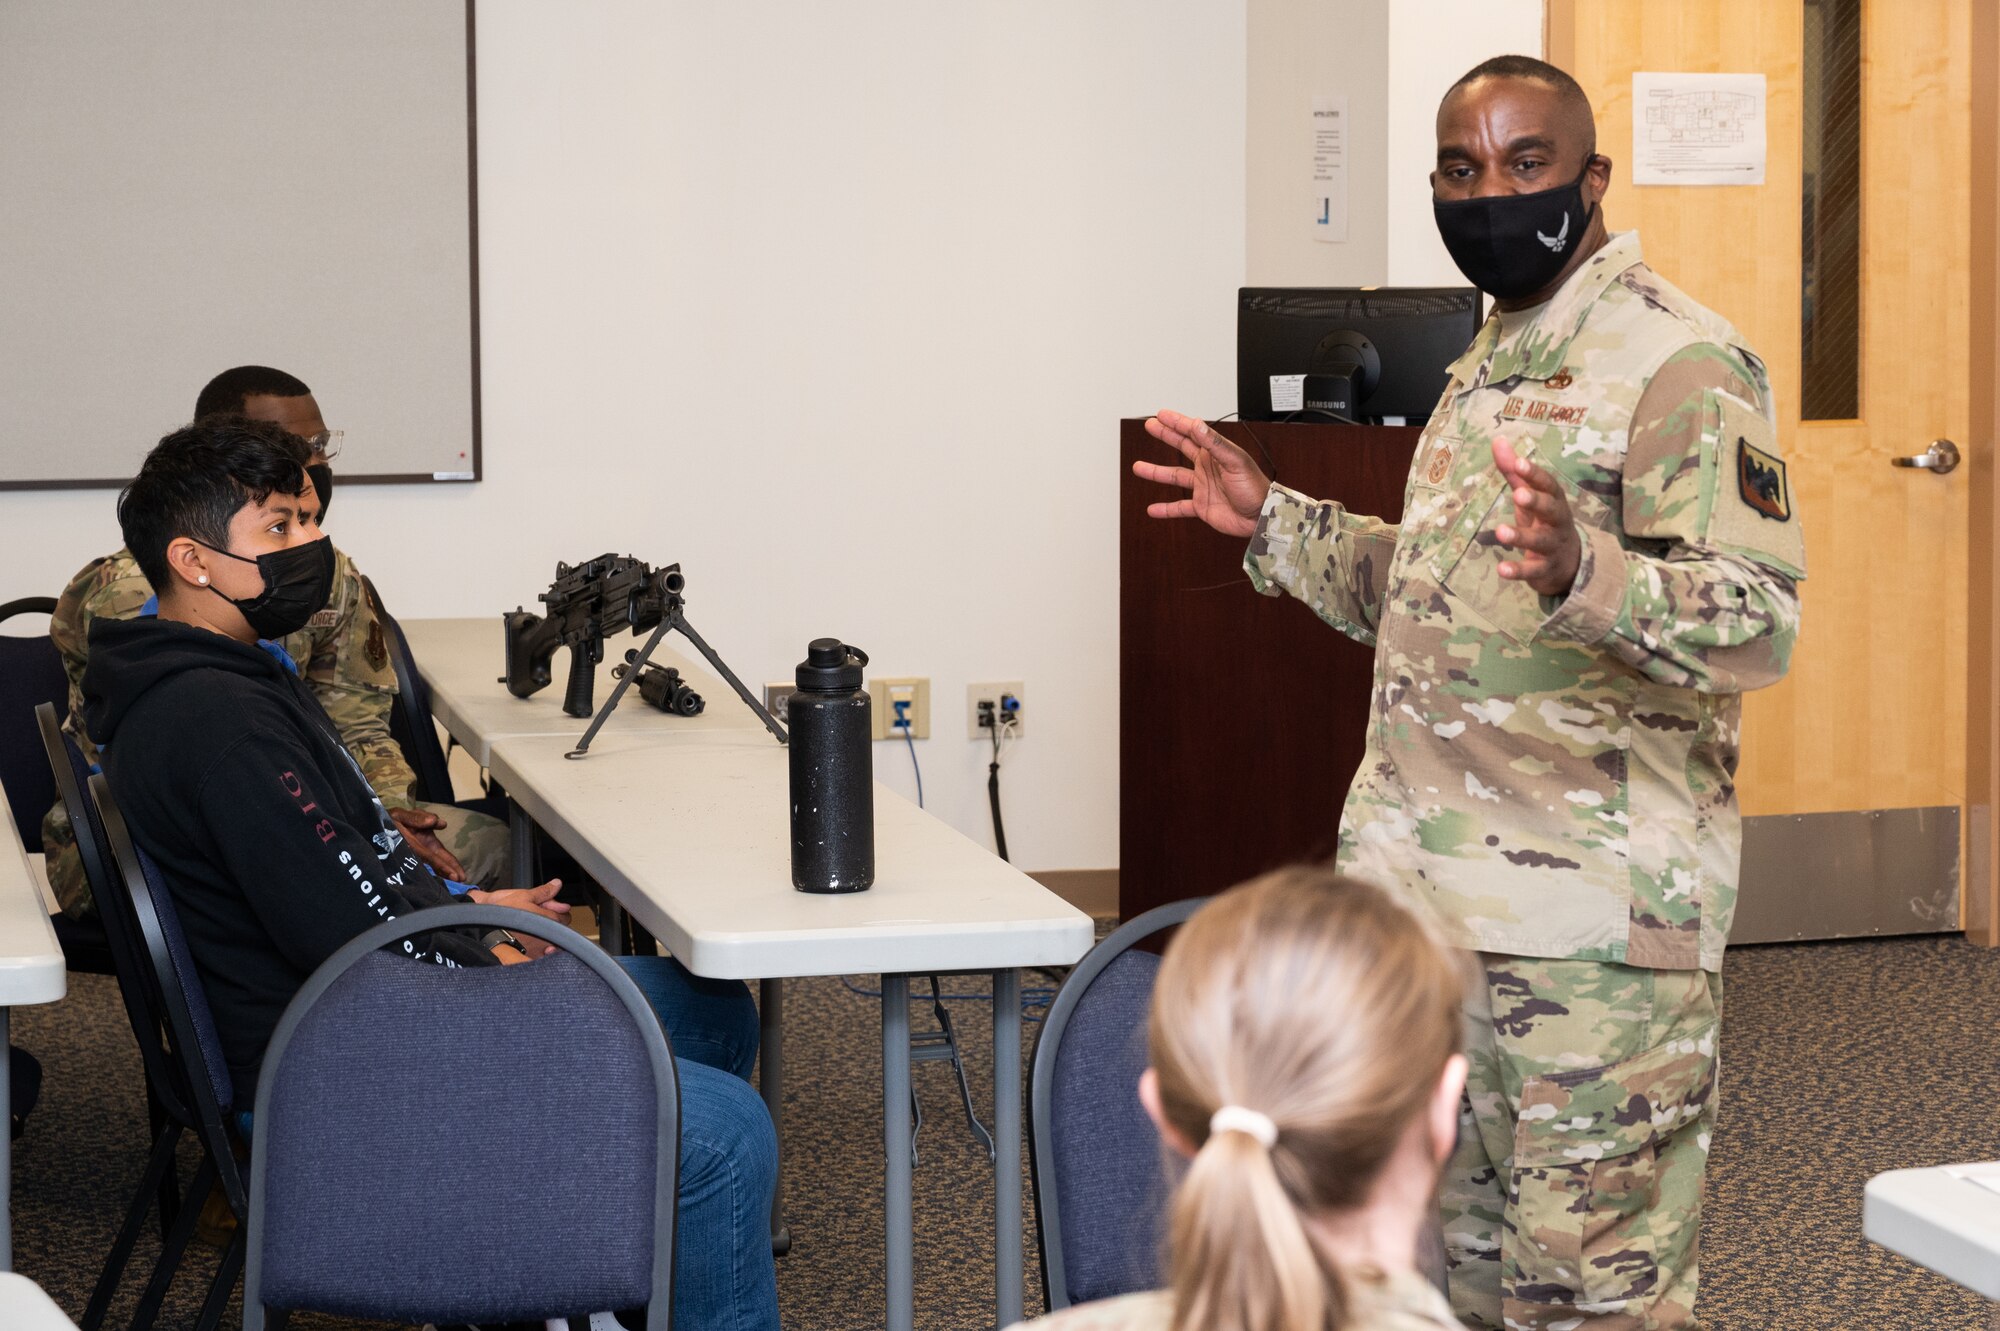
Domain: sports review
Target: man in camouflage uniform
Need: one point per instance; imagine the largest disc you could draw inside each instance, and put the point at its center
(1597, 555)
(343, 654)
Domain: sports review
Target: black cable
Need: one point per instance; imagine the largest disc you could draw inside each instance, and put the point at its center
(993, 793)
(1319, 411)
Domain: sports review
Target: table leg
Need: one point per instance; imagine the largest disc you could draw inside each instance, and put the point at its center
(6, 1148)
(771, 1082)
(520, 845)
(610, 924)
(1008, 1270)
(899, 1285)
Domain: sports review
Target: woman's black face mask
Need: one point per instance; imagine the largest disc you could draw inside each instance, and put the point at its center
(1513, 245)
(298, 582)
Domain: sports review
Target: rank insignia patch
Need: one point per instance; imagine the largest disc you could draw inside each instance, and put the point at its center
(1760, 478)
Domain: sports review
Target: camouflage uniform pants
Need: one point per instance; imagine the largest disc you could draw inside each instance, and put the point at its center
(479, 842)
(1574, 1198)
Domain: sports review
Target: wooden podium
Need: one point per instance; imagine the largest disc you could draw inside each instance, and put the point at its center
(1241, 717)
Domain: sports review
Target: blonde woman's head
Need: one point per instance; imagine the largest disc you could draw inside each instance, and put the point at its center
(1322, 1016)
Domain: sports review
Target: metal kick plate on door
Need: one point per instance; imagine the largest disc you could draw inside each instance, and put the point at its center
(1848, 875)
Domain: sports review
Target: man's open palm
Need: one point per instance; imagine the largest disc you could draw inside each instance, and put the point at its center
(1225, 488)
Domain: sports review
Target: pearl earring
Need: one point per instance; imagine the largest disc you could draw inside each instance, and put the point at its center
(203, 579)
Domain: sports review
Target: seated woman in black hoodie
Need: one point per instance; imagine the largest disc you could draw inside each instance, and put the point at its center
(277, 851)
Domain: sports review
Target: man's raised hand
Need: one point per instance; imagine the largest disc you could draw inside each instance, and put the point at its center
(1543, 531)
(1225, 488)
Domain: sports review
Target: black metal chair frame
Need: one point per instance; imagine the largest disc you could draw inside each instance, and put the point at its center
(1041, 1080)
(205, 1113)
(666, 1081)
(166, 1097)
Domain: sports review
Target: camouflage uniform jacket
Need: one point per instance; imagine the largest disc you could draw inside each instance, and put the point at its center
(343, 654)
(1555, 776)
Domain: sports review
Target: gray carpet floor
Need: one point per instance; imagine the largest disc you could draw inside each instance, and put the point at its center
(1839, 1061)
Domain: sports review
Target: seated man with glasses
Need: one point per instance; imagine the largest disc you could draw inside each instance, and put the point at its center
(342, 654)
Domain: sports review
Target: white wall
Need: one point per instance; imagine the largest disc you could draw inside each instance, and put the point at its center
(1301, 49)
(840, 307)
(1393, 59)
(1431, 43)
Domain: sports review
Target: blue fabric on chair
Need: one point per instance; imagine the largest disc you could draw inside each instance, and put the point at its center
(410, 1172)
(1099, 1170)
(206, 1037)
(1109, 1170)
(31, 673)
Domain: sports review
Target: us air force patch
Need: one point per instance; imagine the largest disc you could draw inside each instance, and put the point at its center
(1760, 478)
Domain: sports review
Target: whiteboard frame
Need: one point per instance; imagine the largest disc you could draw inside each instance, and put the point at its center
(472, 250)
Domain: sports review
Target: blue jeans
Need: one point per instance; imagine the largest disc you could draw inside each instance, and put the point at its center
(724, 1278)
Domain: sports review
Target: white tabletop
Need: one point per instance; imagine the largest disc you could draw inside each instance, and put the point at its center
(23, 1305)
(693, 835)
(1940, 1219)
(31, 961)
(463, 661)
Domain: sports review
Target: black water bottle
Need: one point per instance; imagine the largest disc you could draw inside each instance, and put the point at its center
(833, 771)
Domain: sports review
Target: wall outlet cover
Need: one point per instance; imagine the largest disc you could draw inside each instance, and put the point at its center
(993, 691)
(886, 691)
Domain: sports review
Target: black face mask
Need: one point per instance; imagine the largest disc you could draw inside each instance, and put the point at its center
(297, 584)
(1513, 245)
(322, 479)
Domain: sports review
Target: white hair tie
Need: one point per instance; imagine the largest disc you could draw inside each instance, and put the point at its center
(1235, 1118)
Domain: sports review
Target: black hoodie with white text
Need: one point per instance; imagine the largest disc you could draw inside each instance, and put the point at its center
(274, 847)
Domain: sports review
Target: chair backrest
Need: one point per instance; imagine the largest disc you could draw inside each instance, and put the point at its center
(1100, 1179)
(183, 1001)
(414, 1158)
(31, 673)
(136, 983)
(410, 721)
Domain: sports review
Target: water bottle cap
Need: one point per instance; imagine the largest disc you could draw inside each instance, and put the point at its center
(831, 666)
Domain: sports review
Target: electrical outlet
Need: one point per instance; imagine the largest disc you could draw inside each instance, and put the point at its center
(996, 695)
(775, 695)
(887, 692)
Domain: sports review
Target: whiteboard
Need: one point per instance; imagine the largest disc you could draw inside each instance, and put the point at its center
(190, 186)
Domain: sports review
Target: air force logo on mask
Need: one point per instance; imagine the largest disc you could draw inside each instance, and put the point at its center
(1559, 239)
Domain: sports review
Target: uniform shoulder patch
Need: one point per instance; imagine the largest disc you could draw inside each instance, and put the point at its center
(376, 648)
(1760, 479)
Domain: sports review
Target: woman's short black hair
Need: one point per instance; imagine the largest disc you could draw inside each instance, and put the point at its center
(195, 480)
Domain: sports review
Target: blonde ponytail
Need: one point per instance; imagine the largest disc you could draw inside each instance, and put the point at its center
(1323, 1005)
(1241, 1254)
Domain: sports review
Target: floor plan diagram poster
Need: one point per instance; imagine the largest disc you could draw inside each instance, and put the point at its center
(1697, 129)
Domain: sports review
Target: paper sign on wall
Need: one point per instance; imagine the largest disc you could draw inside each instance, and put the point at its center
(1329, 168)
(1698, 129)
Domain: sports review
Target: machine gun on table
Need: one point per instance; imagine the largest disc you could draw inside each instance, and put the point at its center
(588, 603)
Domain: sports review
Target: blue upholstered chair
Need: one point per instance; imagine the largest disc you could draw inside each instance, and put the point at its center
(31, 674)
(1100, 1180)
(415, 1157)
(199, 1073)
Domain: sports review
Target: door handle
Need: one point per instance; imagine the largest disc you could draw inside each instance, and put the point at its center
(1941, 457)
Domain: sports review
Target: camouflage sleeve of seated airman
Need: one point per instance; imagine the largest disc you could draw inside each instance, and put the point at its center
(107, 588)
(345, 659)
(1335, 561)
(1703, 591)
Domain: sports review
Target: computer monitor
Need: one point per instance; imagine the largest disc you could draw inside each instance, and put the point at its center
(1364, 353)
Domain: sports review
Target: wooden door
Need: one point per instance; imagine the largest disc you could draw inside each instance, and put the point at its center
(1873, 717)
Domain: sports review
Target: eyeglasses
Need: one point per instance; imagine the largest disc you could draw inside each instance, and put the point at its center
(327, 442)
